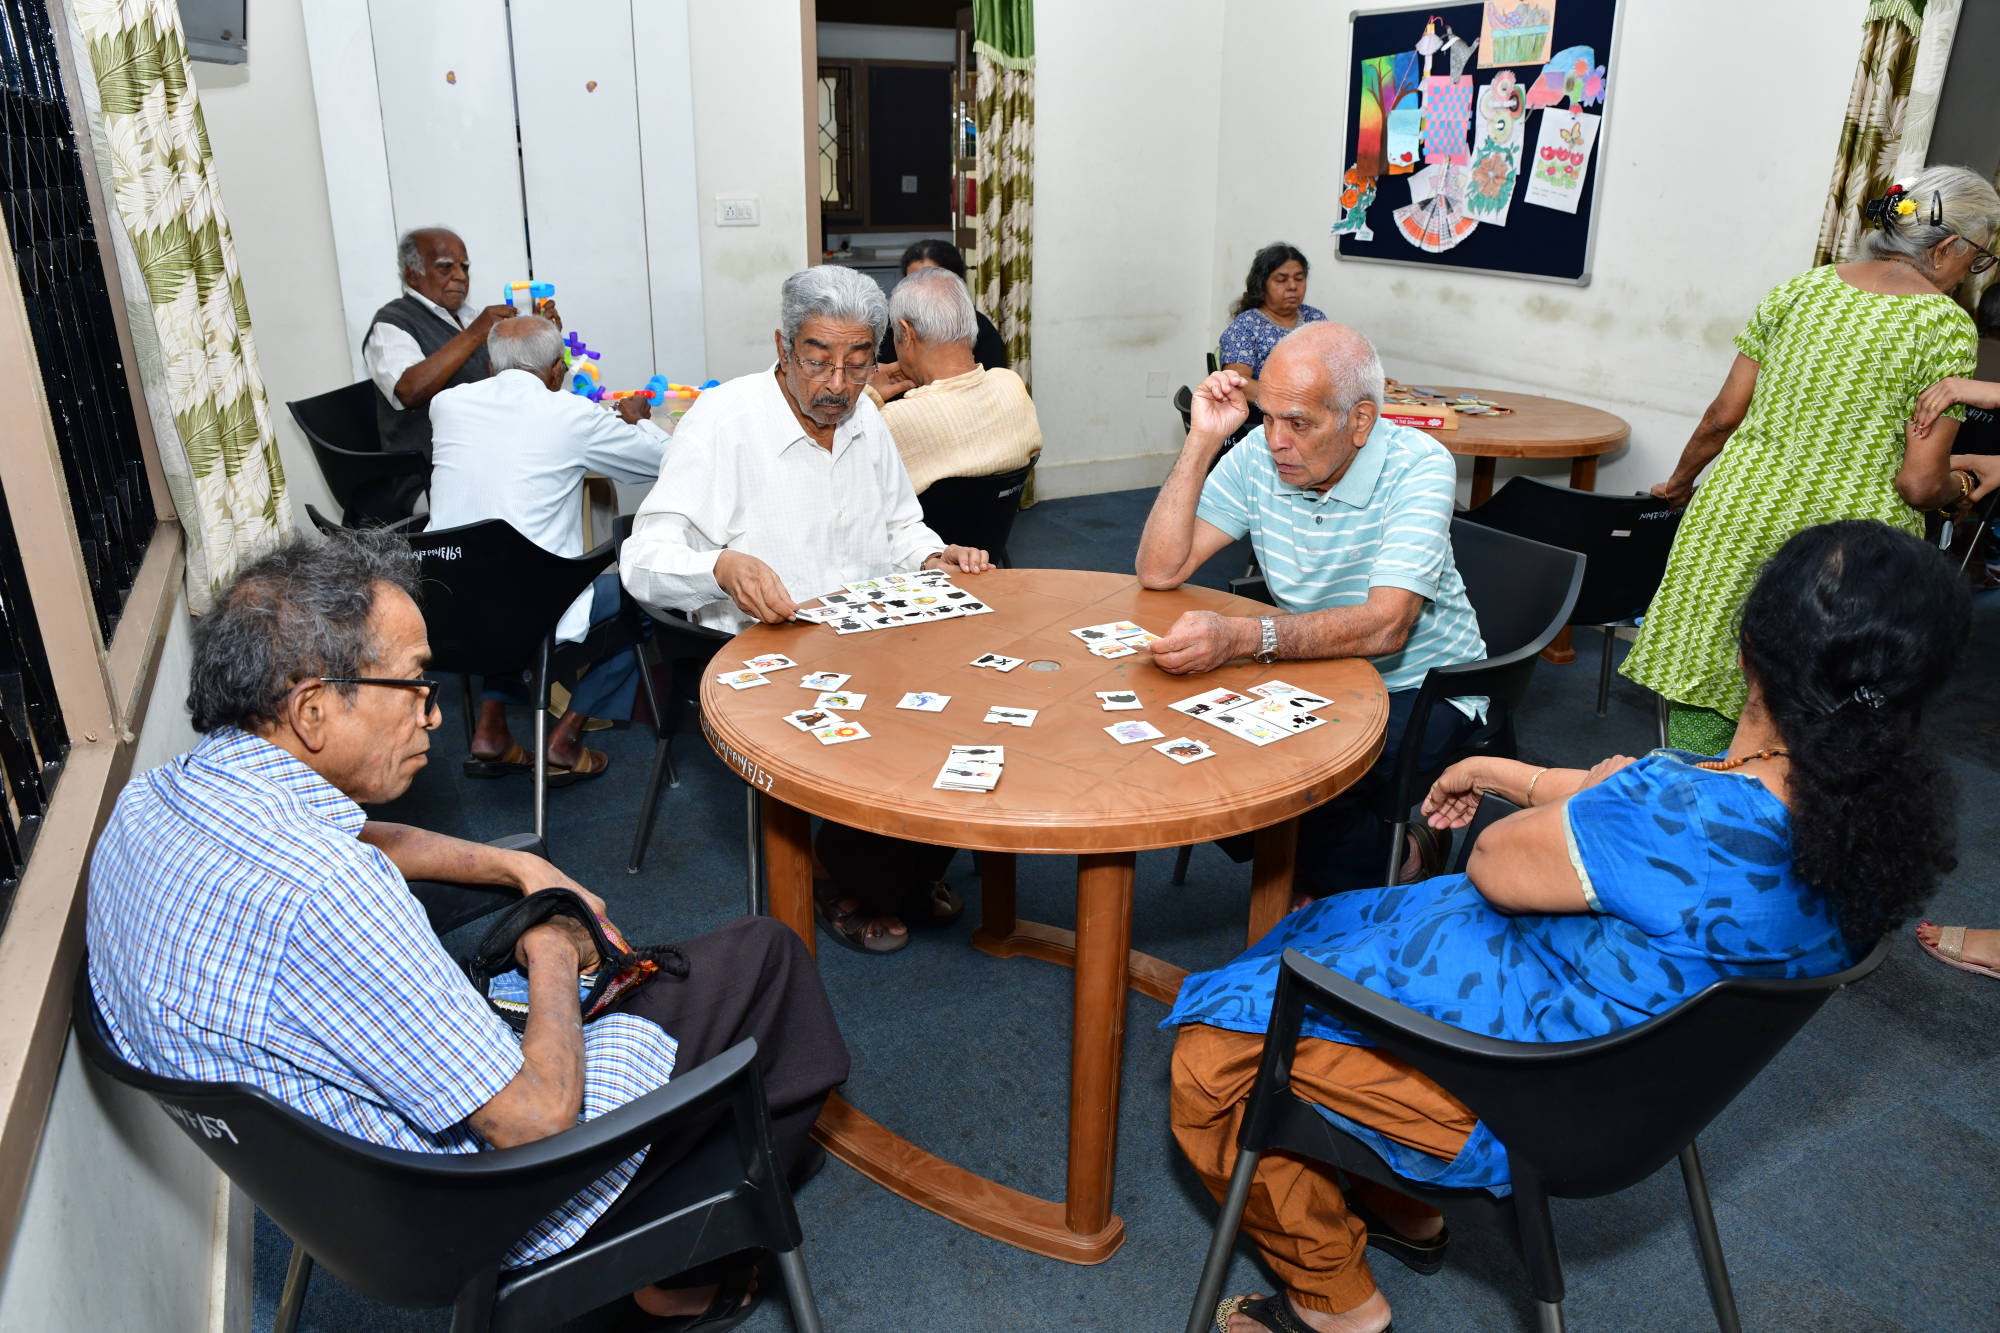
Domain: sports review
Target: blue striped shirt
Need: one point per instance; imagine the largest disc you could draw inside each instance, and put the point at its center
(1385, 524)
(240, 931)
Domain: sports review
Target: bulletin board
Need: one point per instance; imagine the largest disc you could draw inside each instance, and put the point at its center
(1475, 135)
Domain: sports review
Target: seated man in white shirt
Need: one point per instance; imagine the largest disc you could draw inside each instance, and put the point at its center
(516, 447)
(423, 342)
(785, 485)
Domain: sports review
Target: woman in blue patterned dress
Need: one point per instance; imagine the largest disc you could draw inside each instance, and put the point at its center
(1272, 305)
(1611, 896)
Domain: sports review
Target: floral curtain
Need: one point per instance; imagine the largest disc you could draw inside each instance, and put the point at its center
(1871, 136)
(196, 351)
(1003, 40)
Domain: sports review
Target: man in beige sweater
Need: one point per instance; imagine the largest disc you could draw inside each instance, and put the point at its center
(953, 418)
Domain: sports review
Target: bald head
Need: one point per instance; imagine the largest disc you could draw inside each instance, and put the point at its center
(1340, 361)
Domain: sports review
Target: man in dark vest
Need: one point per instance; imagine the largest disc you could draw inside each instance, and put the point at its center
(426, 340)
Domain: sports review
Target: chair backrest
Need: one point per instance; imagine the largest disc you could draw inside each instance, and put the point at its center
(1522, 592)
(1591, 1117)
(975, 511)
(491, 597)
(407, 1228)
(1625, 538)
(340, 426)
(1184, 404)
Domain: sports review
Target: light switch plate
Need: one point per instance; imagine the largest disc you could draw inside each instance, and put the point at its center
(909, 185)
(736, 210)
(1156, 384)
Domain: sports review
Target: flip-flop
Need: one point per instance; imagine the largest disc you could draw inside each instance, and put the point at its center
(1273, 1312)
(516, 760)
(934, 905)
(590, 764)
(1422, 1257)
(737, 1296)
(850, 930)
(1950, 950)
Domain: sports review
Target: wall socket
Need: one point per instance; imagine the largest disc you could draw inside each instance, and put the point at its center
(736, 211)
(1156, 384)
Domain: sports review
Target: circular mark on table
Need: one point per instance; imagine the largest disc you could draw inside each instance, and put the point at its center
(1045, 665)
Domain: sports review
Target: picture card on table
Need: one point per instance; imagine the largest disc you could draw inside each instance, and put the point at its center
(1132, 731)
(924, 701)
(967, 775)
(817, 615)
(840, 699)
(809, 719)
(1281, 713)
(839, 733)
(824, 680)
(742, 680)
(1208, 702)
(1185, 750)
(769, 662)
(1304, 700)
(1112, 649)
(1015, 717)
(997, 662)
(1257, 731)
(988, 754)
(1117, 700)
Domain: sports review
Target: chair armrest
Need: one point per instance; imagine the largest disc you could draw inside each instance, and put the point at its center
(521, 842)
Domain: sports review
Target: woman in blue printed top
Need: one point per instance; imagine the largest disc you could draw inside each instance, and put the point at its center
(1611, 896)
(1273, 303)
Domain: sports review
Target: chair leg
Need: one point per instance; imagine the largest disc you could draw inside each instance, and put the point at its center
(473, 1311)
(471, 705)
(754, 851)
(1720, 1295)
(293, 1298)
(542, 772)
(1604, 671)
(663, 759)
(1209, 1294)
(1397, 834)
(1549, 1316)
(805, 1311)
(1661, 701)
(1181, 859)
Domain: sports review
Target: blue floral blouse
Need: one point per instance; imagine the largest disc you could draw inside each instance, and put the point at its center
(1252, 334)
(1688, 877)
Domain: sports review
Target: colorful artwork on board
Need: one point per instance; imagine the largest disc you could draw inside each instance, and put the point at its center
(1447, 118)
(1562, 159)
(1501, 129)
(1435, 219)
(1357, 192)
(1516, 32)
(1573, 74)
(1389, 125)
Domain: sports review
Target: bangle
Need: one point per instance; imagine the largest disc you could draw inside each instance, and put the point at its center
(1531, 784)
(1964, 485)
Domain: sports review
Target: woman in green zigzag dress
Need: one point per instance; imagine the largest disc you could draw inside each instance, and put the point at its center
(1813, 425)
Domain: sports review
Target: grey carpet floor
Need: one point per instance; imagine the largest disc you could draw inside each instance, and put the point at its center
(1847, 1178)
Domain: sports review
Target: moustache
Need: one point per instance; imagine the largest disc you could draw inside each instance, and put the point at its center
(831, 400)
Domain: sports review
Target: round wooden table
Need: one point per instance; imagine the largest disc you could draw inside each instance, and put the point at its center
(1537, 428)
(1067, 788)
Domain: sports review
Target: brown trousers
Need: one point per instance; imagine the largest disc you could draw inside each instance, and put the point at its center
(1296, 1213)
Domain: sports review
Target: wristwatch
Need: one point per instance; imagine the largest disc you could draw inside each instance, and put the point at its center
(1267, 648)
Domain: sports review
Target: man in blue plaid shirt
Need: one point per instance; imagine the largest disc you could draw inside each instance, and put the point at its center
(248, 923)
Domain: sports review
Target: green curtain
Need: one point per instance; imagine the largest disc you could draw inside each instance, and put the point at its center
(1003, 41)
(1871, 136)
(221, 458)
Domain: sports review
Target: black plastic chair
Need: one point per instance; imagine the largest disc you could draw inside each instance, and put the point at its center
(976, 511)
(422, 1230)
(1626, 539)
(1578, 1119)
(370, 483)
(491, 602)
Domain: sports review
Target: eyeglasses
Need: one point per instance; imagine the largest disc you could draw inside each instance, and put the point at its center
(1986, 258)
(823, 370)
(428, 686)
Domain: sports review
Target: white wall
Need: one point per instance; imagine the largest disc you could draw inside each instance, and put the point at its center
(1127, 114)
(265, 135)
(749, 131)
(124, 1225)
(1689, 234)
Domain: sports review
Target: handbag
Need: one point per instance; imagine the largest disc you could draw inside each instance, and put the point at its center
(497, 976)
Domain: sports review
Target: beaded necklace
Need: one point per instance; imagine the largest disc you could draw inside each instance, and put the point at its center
(1726, 765)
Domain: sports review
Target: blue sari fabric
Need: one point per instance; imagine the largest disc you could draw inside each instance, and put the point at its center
(1689, 879)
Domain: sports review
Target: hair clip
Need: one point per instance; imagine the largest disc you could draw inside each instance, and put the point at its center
(1868, 696)
(1937, 208)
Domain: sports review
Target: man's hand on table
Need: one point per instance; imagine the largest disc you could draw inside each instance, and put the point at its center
(960, 560)
(1202, 641)
(1219, 405)
(755, 587)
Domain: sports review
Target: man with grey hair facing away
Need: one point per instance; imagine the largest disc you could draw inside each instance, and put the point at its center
(786, 485)
(954, 418)
(1350, 517)
(516, 447)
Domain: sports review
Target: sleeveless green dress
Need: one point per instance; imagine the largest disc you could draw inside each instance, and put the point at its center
(1839, 371)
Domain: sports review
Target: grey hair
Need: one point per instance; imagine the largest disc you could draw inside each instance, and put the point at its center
(936, 306)
(1353, 370)
(409, 258)
(528, 342)
(1964, 202)
(299, 612)
(828, 291)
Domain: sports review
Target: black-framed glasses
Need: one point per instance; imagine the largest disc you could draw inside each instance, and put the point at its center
(424, 683)
(825, 370)
(1986, 258)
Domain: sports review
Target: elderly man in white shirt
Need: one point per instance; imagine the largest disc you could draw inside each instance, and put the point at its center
(786, 484)
(516, 447)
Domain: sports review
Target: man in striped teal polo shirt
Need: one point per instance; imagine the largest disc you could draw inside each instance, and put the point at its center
(1350, 517)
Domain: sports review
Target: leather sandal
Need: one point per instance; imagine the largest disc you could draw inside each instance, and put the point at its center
(851, 929)
(933, 905)
(1950, 950)
(737, 1296)
(1274, 1312)
(589, 764)
(1422, 1257)
(516, 760)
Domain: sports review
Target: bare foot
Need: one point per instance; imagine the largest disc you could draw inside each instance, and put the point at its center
(675, 1302)
(566, 740)
(1982, 947)
(1371, 1316)
(490, 739)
